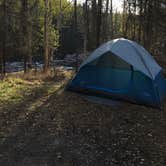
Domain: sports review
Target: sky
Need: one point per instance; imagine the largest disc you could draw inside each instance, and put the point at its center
(117, 4)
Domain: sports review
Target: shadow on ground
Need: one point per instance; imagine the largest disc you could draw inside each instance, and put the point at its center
(63, 129)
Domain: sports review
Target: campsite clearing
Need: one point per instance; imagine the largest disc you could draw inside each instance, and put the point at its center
(41, 124)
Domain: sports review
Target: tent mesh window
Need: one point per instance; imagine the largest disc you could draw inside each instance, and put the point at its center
(110, 60)
(94, 63)
(111, 72)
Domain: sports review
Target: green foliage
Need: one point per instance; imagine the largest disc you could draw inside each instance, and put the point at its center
(67, 10)
(53, 37)
(36, 9)
(11, 90)
(147, 27)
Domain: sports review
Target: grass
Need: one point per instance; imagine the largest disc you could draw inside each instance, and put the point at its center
(13, 90)
(22, 94)
(16, 87)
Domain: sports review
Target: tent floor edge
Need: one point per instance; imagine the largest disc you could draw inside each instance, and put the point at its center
(110, 96)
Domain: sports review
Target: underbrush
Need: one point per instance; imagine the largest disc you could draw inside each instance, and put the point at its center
(51, 75)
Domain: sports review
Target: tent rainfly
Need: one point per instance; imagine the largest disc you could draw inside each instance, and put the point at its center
(121, 69)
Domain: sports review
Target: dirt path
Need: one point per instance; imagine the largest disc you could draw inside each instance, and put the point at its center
(62, 129)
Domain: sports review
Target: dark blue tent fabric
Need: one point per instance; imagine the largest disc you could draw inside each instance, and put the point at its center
(110, 76)
(120, 85)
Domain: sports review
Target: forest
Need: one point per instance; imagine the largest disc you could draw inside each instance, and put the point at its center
(34, 29)
(118, 116)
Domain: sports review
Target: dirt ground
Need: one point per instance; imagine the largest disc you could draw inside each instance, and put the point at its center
(64, 129)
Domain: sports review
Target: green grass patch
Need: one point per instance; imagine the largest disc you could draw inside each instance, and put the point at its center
(19, 89)
(12, 90)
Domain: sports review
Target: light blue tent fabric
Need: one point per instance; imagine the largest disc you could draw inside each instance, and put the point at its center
(122, 69)
(131, 52)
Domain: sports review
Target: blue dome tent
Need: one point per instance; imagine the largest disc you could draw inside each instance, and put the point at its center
(121, 69)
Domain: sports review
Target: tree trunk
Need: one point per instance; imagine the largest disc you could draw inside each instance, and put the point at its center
(98, 30)
(106, 25)
(144, 23)
(59, 24)
(46, 49)
(60, 16)
(115, 22)
(29, 40)
(124, 19)
(111, 22)
(75, 14)
(155, 22)
(94, 23)
(148, 26)
(3, 56)
(86, 25)
(26, 47)
(134, 20)
(140, 22)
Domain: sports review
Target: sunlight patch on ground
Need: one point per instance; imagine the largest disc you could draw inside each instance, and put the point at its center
(41, 101)
(16, 88)
(13, 90)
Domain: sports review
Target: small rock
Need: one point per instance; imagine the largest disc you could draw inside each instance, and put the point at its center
(149, 134)
(59, 155)
(88, 130)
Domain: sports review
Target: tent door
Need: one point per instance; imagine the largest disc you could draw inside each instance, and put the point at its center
(114, 73)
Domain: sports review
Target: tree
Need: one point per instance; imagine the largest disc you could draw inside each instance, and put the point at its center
(46, 51)
(99, 16)
(32, 28)
(75, 14)
(86, 24)
(51, 36)
(140, 5)
(4, 37)
(104, 27)
(111, 17)
(25, 23)
(59, 21)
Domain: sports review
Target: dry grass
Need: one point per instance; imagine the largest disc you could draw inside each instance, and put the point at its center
(40, 75)
(16, 86)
